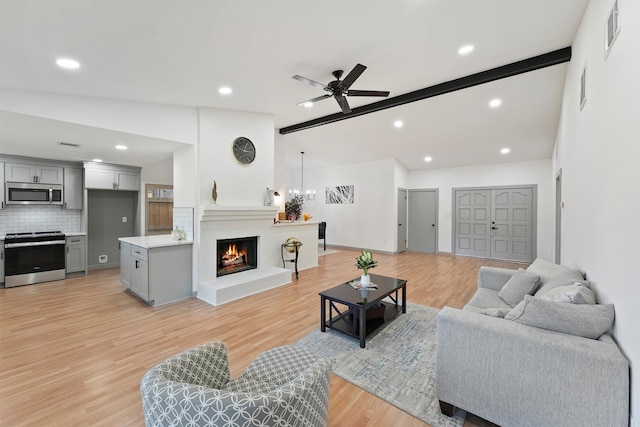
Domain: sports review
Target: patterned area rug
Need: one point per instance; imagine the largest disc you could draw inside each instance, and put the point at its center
(397, 365)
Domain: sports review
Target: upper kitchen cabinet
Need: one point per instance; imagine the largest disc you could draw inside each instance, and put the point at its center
(72, 188)
(24, 172)
(111, 177)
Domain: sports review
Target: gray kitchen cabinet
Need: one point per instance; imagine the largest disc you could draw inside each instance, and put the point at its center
(24, 172)
(156, 273)
(111, 177)
(2, 201)
(73, 188)
(2, 261)
(125, 264)
(76, 258)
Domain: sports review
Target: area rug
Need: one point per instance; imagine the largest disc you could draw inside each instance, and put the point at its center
(397, 365)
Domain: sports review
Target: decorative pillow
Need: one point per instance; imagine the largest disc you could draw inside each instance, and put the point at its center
(495, 312)
(583, 320)
(578, 293)
(564, 279)
(521, 283)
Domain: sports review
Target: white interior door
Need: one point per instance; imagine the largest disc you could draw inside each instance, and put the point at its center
(472, 231)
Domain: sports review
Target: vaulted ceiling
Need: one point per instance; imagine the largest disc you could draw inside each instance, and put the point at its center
(180, 52)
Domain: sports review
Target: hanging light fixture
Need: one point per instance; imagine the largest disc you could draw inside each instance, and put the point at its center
(309, 195)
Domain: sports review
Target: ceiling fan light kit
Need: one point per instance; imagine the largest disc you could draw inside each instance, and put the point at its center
(339, 89)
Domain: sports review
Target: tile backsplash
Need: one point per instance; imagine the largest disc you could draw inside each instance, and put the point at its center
(183, 218)
(21, 219)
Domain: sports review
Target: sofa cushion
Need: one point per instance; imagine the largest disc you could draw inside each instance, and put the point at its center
(585, 320)
(547, 270)
(521, 283)
(485, 298)
(565, 279)
(578, 293)
(495, 312)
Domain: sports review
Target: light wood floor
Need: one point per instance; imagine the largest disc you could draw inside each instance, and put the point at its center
(72, 352)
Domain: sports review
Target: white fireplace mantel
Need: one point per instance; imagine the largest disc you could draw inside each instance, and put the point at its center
(236, 213)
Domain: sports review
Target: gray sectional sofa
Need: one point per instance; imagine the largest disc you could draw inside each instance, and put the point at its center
(532, 348)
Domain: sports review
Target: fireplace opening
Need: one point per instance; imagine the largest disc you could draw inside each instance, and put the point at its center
(236, 255)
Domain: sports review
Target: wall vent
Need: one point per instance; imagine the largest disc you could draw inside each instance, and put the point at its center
(611, 28)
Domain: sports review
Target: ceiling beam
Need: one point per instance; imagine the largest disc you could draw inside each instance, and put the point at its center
(531, 64)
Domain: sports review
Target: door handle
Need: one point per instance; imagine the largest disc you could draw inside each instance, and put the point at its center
(433, 225)
(494, 228)
(136, 263)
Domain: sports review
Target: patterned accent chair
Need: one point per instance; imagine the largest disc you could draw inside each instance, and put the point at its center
(284, 386)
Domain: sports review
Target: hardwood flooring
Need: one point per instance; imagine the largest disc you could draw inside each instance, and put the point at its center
(72, 352)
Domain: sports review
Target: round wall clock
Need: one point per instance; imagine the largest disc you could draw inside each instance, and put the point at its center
(243, 150)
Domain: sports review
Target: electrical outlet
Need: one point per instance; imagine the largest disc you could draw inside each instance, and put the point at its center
(102, 259)
(124, 219)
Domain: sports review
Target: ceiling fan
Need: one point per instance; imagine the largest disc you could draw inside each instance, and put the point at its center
(339, 89)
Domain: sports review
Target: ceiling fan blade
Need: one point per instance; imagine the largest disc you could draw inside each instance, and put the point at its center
(316, 99)
(342, 102)
(352, 76)
(367, 93)
(310, 82)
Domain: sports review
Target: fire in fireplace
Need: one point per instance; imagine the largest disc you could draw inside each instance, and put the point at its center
(236, 255)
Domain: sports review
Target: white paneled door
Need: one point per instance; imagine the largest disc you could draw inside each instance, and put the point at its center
(495, 223)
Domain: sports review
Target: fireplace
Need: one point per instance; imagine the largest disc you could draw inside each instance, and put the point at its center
(236, 255)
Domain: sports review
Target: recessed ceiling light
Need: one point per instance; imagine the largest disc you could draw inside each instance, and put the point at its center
(68, 63)
(465, 50)
(97, 160)
(505, 150)
(428, 159)
(398, 123)
(495, 103)
(225, 90)
(307, 104)
(121, 147)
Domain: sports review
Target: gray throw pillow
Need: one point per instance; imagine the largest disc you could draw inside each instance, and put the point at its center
(495, 312)
(584, 320)
(578, 293)
(521, 283)
(564, 279)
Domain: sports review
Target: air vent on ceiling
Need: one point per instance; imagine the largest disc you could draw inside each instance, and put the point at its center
(612, 28)
(69, 144)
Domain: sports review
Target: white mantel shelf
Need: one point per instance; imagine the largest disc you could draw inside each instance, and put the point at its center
(235, 213)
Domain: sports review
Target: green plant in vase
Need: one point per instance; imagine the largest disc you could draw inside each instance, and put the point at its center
(364, 262)
(293, 207)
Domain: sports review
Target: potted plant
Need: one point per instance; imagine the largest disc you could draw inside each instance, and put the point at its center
(293, 207)
(364, 262)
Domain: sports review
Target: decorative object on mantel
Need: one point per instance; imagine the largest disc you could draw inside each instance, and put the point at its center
(269, 195)
(306, 216)
(293, 207)
(177, 234)
(214, 192)
(364, 262)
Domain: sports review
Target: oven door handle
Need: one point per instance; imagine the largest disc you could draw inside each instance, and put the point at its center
(29, 244)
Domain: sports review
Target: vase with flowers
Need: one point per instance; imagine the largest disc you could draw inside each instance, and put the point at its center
(293, 207)
(365, 262)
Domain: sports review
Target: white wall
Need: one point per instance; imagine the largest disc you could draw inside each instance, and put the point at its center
(369, 222)
(516, 173)
(237, 185)
(598, 150)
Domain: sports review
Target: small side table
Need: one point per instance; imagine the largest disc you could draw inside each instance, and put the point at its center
(288, 246)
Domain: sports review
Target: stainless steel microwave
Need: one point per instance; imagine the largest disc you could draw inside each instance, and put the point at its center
(26, 193)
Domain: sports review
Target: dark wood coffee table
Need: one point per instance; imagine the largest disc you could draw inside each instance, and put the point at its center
(352, 320)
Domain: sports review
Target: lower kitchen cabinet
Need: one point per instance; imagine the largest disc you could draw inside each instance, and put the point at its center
(156, 269)
(76, 259)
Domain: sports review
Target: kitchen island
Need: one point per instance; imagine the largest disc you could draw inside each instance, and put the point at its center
(157, 269)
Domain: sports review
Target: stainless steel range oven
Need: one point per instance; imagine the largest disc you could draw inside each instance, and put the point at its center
(33, 257)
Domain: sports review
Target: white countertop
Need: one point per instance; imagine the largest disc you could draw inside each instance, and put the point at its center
(149, 242)
(75, 233)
